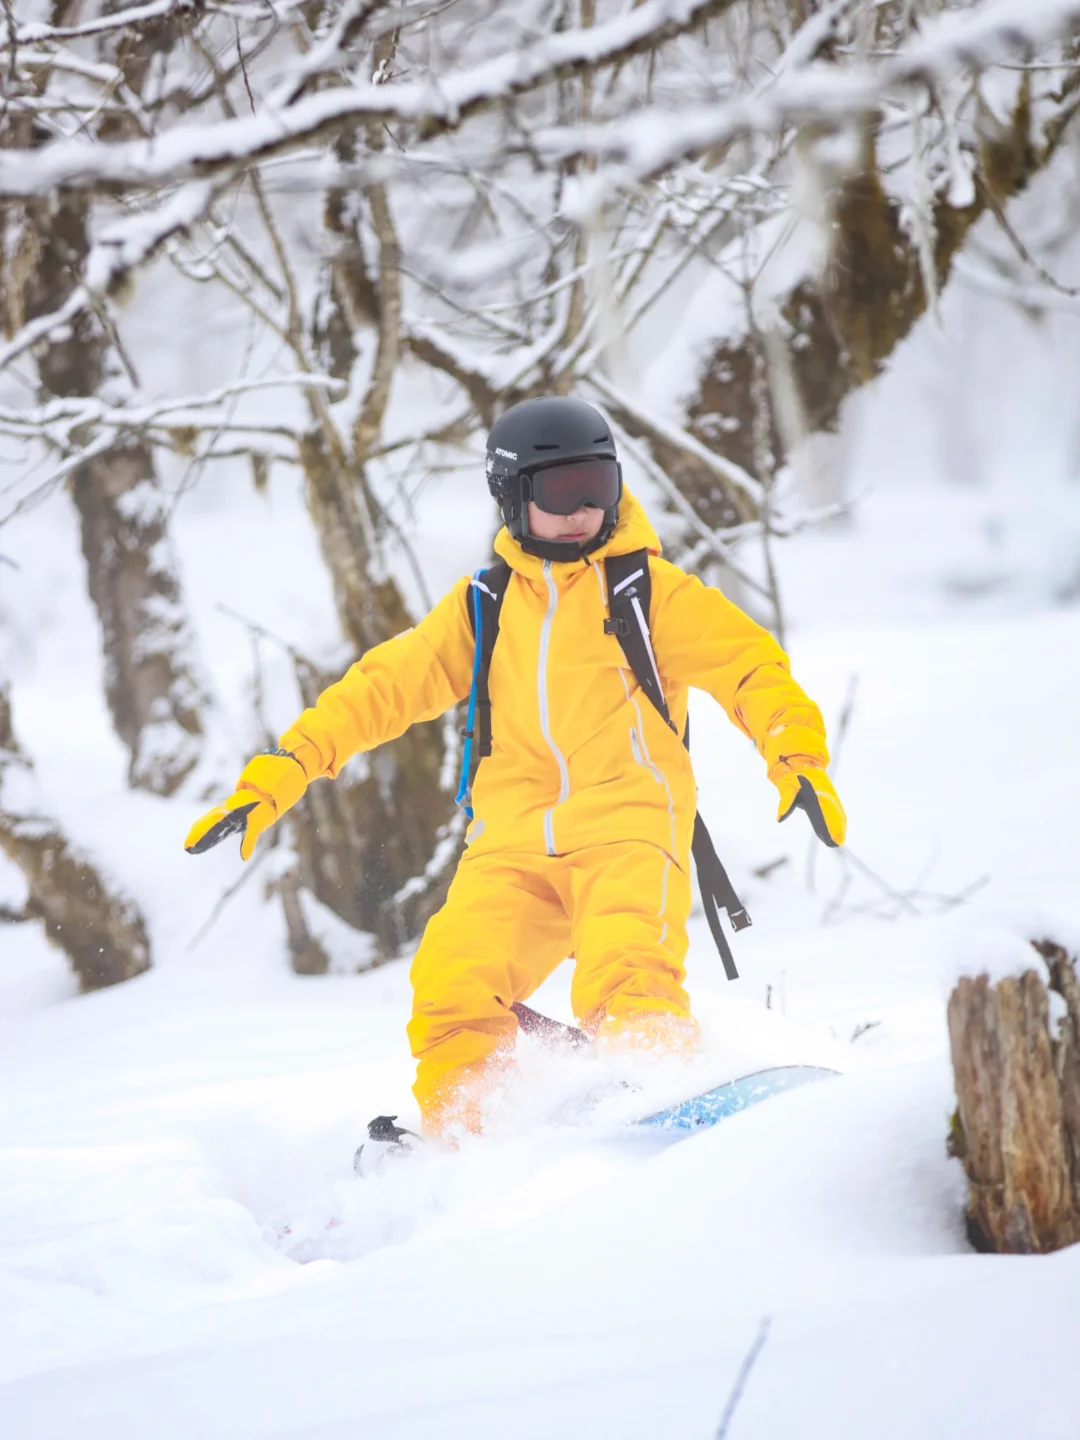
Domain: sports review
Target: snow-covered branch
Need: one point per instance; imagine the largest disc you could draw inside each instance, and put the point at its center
(433, 105)
(76, 412)
(116, 20)
(81, 429)
(647, 145)
(730, 474)
(123, 247)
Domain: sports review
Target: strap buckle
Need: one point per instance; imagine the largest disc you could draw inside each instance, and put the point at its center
(616, 625)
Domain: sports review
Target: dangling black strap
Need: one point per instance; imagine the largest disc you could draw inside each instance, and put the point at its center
(716, 891)
(629, 587)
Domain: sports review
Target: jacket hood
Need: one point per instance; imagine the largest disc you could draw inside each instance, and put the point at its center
(633, 532)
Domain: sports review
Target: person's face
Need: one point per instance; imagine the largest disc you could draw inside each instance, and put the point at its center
(578, 529)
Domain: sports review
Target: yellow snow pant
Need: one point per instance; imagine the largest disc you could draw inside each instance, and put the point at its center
(508, 921)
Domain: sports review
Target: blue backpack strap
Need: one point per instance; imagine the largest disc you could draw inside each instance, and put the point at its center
(629, 588)
(485, 597)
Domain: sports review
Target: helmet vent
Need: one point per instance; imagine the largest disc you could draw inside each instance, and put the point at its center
(553, 446)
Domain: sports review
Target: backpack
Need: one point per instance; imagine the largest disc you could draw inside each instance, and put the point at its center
(629, 589)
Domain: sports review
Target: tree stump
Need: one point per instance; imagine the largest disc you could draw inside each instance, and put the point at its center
(1017, 1124)
(99, 929)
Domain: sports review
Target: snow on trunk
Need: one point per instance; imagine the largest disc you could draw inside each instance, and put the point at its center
(100, 931)
(150, 680)
(887, 259)
(1017, 1125)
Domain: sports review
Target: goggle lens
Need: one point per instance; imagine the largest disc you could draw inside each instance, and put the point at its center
(564, 489)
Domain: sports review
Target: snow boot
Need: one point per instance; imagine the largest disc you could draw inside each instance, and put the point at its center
(386, 1141)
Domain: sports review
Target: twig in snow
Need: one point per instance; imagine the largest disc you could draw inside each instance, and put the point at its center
(224, 898)
(258, 691)
(863, 1029)
(254, 628)
(900, 898)
(892, 903)
(764, 871)
(243, 70)
(998, 212)
(847, 710)
(749, 1361)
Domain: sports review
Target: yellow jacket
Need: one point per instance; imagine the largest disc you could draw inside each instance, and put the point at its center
(579, 755)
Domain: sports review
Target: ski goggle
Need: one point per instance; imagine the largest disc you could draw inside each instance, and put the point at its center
(564, 489)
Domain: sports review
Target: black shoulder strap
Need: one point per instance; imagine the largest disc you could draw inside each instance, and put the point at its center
(486, 592)
(629, 587)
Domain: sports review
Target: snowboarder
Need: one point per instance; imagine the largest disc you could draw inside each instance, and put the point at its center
(584, 808)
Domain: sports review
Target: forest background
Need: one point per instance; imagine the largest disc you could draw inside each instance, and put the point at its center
(268, 271)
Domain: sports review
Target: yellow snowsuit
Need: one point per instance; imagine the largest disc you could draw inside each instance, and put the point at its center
(584, 810)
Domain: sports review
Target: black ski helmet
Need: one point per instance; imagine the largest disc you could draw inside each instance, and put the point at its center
(533, 435)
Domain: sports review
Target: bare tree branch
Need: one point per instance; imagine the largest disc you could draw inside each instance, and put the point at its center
(205, 150)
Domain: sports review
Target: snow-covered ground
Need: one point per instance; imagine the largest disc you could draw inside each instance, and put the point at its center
(171, 1152)
(183, 1248)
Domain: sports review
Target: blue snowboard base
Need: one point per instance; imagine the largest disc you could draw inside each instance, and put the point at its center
(703, 1111)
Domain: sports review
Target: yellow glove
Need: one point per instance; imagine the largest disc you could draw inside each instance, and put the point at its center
(805, 786)
(267, 787)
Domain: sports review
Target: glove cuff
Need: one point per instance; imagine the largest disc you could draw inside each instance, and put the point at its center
(276, 777)
(789, 768)
(796, 744)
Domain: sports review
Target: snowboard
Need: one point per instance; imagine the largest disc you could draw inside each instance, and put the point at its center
(703, 1111)
(699, 1112)
(388, 1143)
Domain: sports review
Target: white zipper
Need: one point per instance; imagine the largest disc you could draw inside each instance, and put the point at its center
(545, 713)
(663, 901)
(601, 582)
(637, 745)
(642, 757)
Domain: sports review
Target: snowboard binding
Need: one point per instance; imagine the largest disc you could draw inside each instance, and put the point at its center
(385, 1141)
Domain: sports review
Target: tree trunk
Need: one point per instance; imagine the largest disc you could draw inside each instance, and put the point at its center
(1017, 1125)
(307, 955)
(841, 327)
(377, 848)
(150, 681)
(154, 698)
(101, 932)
